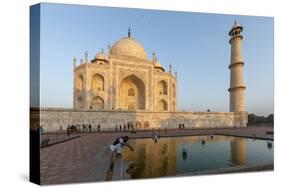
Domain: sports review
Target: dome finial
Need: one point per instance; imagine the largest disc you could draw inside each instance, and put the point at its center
(235, 23)
(153, 56)
(129, 32)
(102, 50)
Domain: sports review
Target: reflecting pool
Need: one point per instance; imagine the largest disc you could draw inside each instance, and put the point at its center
(177, 155)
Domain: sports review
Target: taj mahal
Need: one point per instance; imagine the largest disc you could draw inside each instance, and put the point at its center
(124, 86)
(125, 79)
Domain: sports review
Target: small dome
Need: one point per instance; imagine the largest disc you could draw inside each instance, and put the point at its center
(128, 46)
(158, 65)
(101, 56)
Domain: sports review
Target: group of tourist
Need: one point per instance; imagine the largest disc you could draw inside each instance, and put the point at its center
(129, 127)
(77, 128)
(181, 126)
(86, 128)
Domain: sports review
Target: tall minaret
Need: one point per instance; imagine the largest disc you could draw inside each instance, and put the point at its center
(237, 86)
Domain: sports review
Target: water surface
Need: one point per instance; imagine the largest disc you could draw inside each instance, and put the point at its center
(178, 155)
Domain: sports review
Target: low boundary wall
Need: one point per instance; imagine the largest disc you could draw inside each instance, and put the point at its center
(55, 119)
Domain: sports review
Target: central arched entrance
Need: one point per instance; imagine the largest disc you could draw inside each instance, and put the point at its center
(131, 93)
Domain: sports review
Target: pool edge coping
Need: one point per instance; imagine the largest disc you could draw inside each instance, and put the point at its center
(202, 134)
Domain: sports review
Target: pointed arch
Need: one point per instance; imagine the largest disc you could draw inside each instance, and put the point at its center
(97, 103)
(97, 82)
(162, 88)
(131, 93)
(162, 105)
(79, 82)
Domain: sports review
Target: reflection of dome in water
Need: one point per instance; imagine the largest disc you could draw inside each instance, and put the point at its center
(128, 46)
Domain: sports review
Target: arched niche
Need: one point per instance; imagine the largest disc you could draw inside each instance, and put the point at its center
(97, 103)
(131, 93)
(162, 88)
(162, 105)
(79, 82)
(97, 83)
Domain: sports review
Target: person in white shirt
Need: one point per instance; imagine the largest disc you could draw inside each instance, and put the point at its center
(119, 143)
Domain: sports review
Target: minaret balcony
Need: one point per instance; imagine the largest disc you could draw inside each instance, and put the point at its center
(235, 64)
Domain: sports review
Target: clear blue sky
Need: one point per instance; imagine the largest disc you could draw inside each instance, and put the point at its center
(195, 43)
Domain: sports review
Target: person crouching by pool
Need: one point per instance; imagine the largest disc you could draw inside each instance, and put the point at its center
(117, 145)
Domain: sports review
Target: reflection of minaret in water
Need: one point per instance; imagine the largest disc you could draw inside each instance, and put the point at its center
(238, 151)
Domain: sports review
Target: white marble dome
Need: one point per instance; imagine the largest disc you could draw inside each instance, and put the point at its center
(128, 47)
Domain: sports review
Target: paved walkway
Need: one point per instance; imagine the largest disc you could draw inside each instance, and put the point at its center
(53, 138)
(87, 158)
